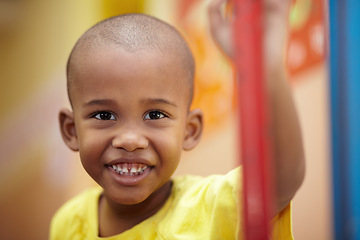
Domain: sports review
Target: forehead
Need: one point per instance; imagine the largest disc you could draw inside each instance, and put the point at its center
(105, 71)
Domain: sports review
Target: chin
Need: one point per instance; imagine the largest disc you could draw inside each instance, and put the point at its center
(132, 201)
(128, 198)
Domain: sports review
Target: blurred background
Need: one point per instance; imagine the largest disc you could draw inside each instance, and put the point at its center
(38, 173)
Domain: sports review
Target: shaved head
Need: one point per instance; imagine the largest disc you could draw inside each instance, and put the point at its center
(133, 33)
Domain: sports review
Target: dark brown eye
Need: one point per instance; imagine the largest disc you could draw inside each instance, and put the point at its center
(105, 116)
(154, 115)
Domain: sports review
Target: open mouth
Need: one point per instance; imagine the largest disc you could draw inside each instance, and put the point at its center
(130, 169)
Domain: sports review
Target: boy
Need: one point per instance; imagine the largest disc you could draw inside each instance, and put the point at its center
(130, 84)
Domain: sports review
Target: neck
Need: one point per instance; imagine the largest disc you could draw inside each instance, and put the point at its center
(116, 218)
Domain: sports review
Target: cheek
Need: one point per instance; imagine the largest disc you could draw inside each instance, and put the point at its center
(91, 147)
(169, 146)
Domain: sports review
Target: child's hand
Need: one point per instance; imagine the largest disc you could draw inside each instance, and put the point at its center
(221, 28)
(275, 28)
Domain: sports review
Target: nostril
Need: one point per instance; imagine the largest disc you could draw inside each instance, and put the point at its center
(130, 142)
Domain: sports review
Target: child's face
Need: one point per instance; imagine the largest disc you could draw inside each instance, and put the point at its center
(131, 120)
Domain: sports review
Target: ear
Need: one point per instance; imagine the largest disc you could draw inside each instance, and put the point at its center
(194, 128)
(67, 129)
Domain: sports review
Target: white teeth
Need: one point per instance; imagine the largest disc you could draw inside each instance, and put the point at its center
(123, 169)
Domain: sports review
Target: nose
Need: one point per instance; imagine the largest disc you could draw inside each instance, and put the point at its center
(130, 140)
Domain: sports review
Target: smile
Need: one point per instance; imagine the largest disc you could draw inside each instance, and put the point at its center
(130, 169)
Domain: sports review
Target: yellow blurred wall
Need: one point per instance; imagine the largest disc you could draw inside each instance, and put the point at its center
(115, 7)
(37, 172)
(35, 168)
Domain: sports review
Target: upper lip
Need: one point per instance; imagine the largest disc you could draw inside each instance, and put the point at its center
(129, 161)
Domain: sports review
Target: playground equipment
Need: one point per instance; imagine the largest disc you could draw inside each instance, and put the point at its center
(344, 69)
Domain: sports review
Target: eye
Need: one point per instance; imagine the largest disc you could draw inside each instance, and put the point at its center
(104, 116)
(154, 115)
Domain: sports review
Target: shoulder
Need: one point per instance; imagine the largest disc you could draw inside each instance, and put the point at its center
(203, 207)
(214, 184)
(75, 214)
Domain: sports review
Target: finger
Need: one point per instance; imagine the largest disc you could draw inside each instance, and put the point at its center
(214, 10)
(216, 18)
(216, 4)
(220, 27)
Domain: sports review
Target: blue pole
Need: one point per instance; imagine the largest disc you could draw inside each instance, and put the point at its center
(336, 114)
(345, 116)
(353, 101)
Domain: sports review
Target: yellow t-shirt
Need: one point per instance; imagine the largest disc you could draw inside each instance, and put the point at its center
(198, 208)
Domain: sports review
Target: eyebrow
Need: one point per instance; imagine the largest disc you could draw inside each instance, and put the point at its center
(158, 101)
(100, 102)
(103, 102)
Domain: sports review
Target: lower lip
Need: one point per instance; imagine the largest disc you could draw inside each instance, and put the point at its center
(129, 180)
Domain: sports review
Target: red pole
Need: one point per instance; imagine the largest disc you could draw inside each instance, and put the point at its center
(254, 123)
